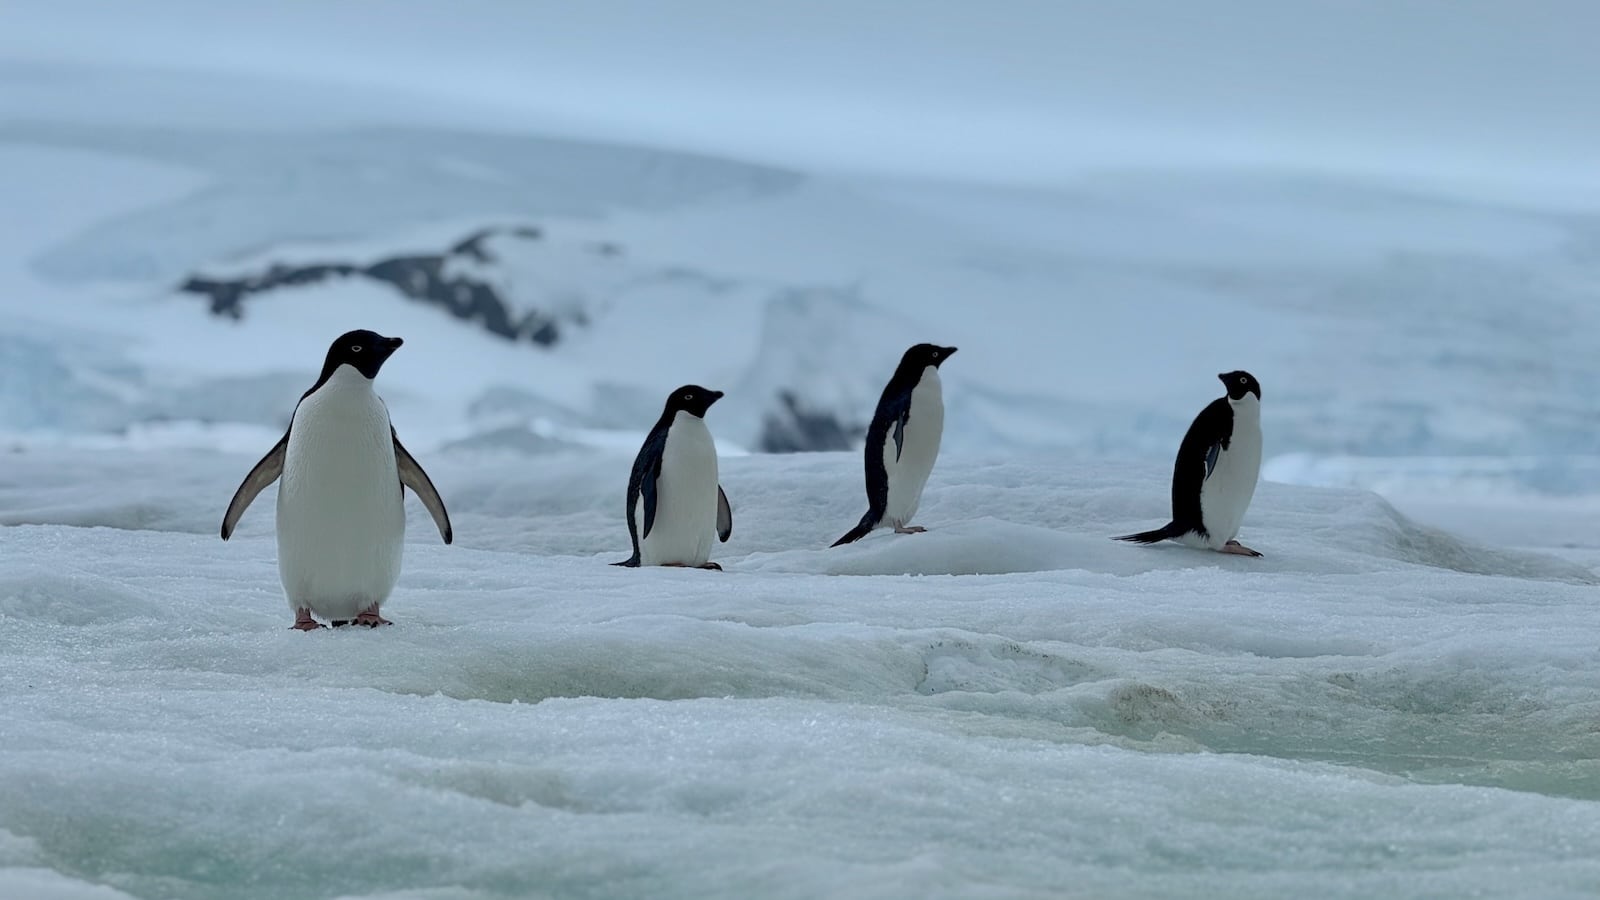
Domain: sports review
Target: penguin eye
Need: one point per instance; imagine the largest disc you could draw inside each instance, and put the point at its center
(355, 348)
(689, 396)
(1243, 380)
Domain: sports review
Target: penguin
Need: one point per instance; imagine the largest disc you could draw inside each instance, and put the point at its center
(341, 506)
(1216, 471)
(903, 442)
(674, 500)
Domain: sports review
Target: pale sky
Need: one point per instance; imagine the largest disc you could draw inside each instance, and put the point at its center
(1019, 89)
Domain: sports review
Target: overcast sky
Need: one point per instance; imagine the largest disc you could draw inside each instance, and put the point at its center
(1020, 89)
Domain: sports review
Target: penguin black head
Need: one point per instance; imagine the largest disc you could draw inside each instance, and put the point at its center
(692, 399)
(1240, 383)
(363, 350)
(921, 356)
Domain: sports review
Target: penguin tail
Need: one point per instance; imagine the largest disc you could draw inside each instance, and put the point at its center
(862, 529)
(1165, 533)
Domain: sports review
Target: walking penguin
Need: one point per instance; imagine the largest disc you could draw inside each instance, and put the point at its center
(1215, 474)
(903, 442)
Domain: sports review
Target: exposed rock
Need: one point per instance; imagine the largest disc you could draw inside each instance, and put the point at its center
(794, 428)
(425, 277)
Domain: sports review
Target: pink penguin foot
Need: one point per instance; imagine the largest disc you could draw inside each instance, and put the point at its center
(370, 618)
(1237, 549)
(304, 622)
(910, 529)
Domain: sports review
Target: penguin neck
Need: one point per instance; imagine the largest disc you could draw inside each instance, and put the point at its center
(345, 379)
(928, 379)
(342, 379)
(685, 419)
(1246, 408)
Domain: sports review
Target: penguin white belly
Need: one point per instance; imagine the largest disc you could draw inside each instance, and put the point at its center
(919, 449)
(686, 498)
(1225, 496)
(341, 514)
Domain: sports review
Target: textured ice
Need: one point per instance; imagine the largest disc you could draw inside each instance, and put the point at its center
(1008, 705)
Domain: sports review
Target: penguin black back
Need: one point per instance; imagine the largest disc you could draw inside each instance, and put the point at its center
(1209, 434)
(889, 420)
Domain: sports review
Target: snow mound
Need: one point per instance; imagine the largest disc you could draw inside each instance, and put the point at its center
(987, 518)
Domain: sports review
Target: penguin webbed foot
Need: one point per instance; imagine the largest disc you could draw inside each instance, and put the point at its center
(370, 618)
(1238, 549)
(910, 529)
(304, 622)
(715, 567)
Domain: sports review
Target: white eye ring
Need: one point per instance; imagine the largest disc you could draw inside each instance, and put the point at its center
(688, 396)
(1243, 380)
(355, 348)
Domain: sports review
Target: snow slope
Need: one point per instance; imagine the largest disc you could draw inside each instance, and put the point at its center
(1009, 705)
(1382, 320)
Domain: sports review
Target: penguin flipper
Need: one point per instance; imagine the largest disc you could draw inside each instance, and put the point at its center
(412, 476)
(264, 473)
(724, 516)
(900, 408)
(647, 490)
(1212, 452)
(1165, 533)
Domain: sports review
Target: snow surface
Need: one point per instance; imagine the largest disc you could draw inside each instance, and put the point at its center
(1008, 705)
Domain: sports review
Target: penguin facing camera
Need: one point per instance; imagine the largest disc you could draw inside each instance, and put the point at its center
(675, 504)
(341, 504)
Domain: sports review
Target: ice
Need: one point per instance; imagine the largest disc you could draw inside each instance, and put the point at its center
(1398, 700)
(1011, 703)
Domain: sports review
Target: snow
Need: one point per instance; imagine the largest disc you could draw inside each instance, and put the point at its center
(1100, 210)
(1010, 704)
(1373, 329)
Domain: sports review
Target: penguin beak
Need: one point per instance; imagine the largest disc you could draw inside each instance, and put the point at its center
(393, 343)
(715, 396)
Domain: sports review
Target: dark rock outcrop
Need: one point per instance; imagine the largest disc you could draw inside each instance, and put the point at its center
(795, 428)
(421, 277)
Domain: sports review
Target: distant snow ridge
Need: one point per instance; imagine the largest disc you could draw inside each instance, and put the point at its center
(476, 279)
(803, 390)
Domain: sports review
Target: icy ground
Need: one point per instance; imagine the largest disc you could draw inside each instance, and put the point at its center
(1010, 705)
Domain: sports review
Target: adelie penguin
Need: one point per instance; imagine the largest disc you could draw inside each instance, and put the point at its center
(341, 504)
(675, 504)
(1216, 471)
(903, 442)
